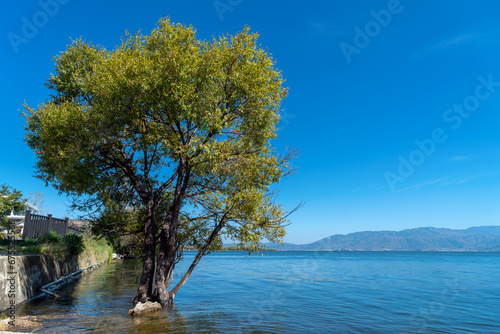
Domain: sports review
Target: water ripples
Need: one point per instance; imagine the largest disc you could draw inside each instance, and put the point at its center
(294, 292)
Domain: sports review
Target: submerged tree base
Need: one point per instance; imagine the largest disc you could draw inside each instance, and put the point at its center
(143, 308)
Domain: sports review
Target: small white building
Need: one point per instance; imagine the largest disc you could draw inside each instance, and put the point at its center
(19, 218)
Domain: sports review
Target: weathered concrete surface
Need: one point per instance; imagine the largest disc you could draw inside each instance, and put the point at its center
(21, 276)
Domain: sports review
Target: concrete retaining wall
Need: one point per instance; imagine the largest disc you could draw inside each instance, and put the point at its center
(22, 276)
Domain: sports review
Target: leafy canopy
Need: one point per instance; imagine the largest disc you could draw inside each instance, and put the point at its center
(164, 110)
(11, 200)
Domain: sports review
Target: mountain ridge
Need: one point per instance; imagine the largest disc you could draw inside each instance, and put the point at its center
(477, 238)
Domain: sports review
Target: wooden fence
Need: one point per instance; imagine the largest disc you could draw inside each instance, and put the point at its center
(37, 226)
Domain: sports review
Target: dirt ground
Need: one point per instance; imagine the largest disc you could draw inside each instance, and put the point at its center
(29, 323)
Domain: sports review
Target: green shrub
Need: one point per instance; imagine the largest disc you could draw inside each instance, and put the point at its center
(52, 238)
(74, 243)
(30, 242)
(32, 249)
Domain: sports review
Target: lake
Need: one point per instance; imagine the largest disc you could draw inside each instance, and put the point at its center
(293, 292)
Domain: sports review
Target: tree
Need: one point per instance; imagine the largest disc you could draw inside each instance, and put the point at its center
(11, 200)
(174, 129)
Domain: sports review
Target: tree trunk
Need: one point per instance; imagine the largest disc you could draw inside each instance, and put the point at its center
(201, 252)
(168, 237)
(171, 254)
(161, 288)
(144, 291)
(167, 254)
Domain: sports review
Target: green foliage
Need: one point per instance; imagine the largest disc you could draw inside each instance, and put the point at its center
(86, 246)
(166, 137)
(30, 242)
(193, 234)
(58, 250)
(74, 243)
(32, 245)
(52, 238)
(129, 245)
(10, 200)
(4, 223)
(30, 249)
(121, 223)
(95, 250)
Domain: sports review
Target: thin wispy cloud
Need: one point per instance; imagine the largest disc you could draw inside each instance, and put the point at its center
(455, 41)
(433, 46)
(423, 184)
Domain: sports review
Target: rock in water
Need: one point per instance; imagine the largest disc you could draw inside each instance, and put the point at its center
(142, 308)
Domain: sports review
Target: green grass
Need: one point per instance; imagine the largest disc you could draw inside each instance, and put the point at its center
(59, 250)
(96, 250)
(29, 246)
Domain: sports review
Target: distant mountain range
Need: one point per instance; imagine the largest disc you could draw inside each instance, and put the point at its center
(480, 239)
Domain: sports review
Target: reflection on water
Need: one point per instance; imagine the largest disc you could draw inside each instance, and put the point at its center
(292, 292)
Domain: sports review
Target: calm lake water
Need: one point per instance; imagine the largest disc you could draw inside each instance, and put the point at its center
(293, 292)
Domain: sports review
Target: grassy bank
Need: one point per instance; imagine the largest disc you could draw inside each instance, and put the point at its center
(88, 248)
(96, 250)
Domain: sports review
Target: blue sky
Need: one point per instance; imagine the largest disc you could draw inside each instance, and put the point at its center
(394, 105)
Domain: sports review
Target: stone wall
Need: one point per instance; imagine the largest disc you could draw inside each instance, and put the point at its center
(21, 276)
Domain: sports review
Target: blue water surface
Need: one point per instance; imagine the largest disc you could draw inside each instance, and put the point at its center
(293, 292)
